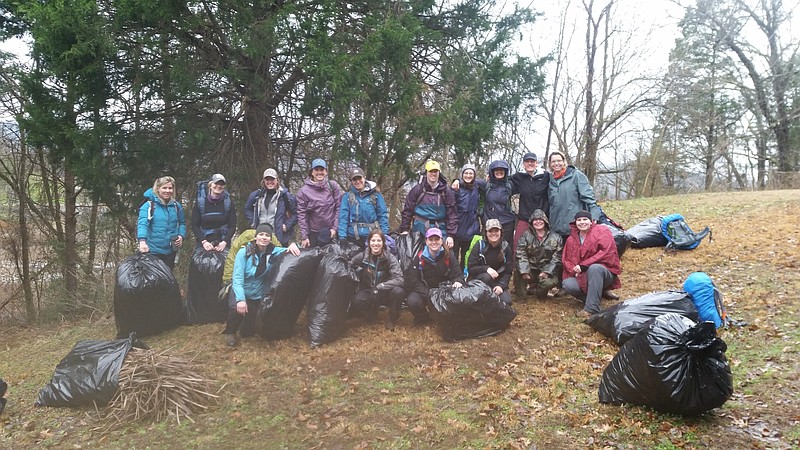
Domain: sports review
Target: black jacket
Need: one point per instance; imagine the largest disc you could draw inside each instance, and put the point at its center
(498, 258)
(425, 274)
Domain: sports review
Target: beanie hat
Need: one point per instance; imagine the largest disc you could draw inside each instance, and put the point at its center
(264, 228)
(585, 214)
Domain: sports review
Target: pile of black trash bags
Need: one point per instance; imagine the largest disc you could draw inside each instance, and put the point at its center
(670, 357)
(147, 298)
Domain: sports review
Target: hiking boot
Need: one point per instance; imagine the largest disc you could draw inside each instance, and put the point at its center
(582, 314)
(610, 295)
(390, 323)
(230, 340)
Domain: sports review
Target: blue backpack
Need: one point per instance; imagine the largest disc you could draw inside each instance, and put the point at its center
(678, 234)
(707, 298)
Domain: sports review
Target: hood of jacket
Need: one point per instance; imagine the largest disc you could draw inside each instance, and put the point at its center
(499, 164)
(539, 214)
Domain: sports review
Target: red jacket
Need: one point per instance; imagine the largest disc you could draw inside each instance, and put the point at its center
(598, 248)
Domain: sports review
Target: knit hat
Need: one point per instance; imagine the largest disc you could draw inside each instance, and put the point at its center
(264, 228)
(467, 167)
(585, 214)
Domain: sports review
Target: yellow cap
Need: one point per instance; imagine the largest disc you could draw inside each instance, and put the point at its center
(432, 165)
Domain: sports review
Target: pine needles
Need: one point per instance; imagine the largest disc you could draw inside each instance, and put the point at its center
(154, 386)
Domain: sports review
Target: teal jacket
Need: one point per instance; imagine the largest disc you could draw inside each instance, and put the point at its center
(158, 223)
(248, 277)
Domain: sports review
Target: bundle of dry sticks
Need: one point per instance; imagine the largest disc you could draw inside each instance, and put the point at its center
(154, 386)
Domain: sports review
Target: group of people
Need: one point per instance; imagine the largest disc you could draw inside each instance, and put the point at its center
(470, 229)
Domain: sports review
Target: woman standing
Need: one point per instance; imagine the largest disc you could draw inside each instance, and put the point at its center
(569, 192)
(161, 225)
(498, 200)
(468, 196)
(363, 208)
(380, 277)
(214, 216)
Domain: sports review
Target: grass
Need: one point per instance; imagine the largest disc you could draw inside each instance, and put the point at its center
(534, 386)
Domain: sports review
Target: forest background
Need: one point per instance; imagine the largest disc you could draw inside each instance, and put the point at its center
(108, 95)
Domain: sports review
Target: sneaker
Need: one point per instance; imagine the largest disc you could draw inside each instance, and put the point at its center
(230, 340)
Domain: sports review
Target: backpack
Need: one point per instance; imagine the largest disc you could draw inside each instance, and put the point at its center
(678, 234)
(707, 298)
(202, 193)
(481, 247)
(373, 198)
(422, 260)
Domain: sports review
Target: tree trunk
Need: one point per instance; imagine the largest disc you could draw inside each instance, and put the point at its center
(88, 268)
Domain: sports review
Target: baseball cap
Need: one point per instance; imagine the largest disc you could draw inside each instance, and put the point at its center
(357, 172)
(319, 163)
(492, 224)
(432, 165)
(529, 156)
(272, 173)
(433, 232)
(217, 178)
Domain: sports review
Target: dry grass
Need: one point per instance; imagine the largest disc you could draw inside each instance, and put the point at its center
(533, 386)
(154, 387)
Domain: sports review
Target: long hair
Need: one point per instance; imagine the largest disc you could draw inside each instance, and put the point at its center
(377, 232)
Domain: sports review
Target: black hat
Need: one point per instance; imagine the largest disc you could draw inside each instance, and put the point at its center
(585, 214)
(530, 155)
(264, 228)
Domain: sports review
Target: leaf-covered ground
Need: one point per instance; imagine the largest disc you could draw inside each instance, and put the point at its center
(534, 386)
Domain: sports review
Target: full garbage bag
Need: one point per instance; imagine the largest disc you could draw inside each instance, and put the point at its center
(621, 238)
(647, 233)
(88, 375)
(623, 320)
(408, 246)
(469, 312)
(205, 280)
(672, 365)
(289, 282)
(147, 299)
(335, 283)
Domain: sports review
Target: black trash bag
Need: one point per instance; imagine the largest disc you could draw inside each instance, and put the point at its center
(335, 284)
(647, 233)
(147, 299)
(346, 248)
(89, 374)
(290, 281)
(469, 312)
(623, 320)
(3, 389)
(408, 246)
(205, 280)
(621, 238)
(672, 365)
